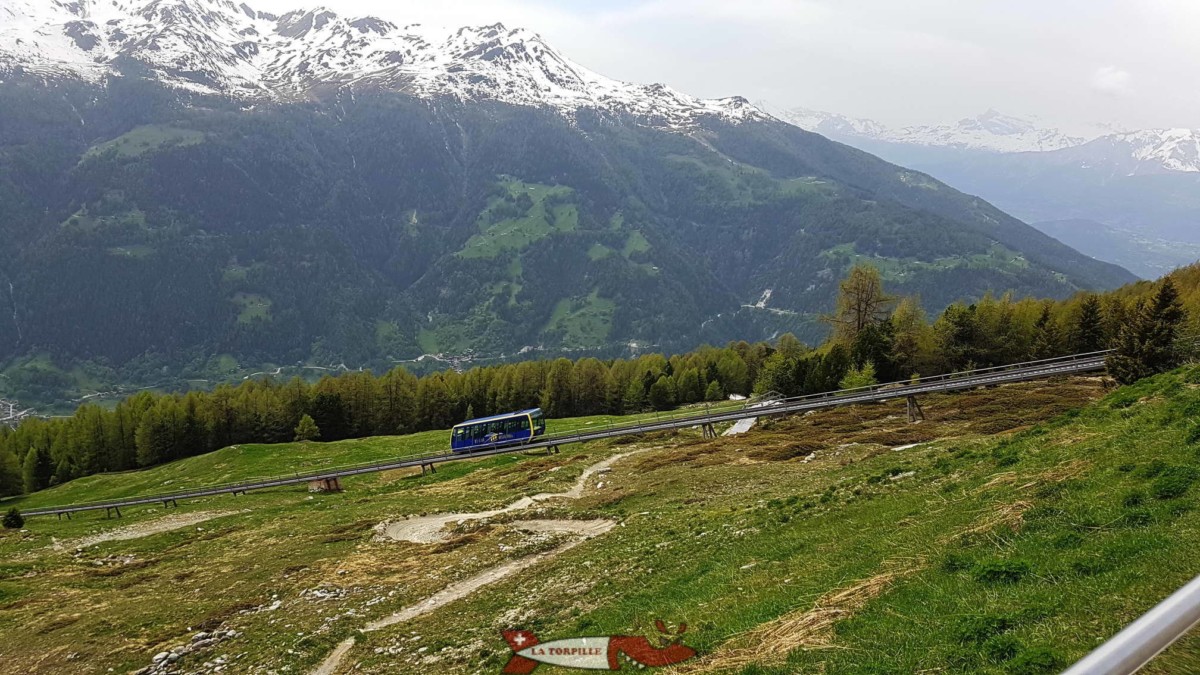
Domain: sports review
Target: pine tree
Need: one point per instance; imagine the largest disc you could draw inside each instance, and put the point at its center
(13, 520)
(859, 377)
(1146, 343)
(1087, 335)
(662, 394)
(1047, 341)
(556, 395)
(635, 396)
(37, 470)
(307, 430)
(714, 392)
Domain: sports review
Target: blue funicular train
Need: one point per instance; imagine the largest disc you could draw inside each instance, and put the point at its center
(498, 431)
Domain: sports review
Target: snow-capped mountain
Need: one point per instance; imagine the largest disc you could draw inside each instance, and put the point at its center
(1139, 153)
(990, 132)
(222, 47)
(1096, 147)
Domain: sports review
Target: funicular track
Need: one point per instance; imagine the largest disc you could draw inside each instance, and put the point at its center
(768, 407)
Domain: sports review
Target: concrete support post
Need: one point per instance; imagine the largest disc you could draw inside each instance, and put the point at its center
(325, 485)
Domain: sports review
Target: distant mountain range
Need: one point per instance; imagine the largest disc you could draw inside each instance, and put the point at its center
(1129, 153)
(191, 189)
(1140, 187)
(990, 132)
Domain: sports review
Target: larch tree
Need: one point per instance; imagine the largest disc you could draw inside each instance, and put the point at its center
(861, 302)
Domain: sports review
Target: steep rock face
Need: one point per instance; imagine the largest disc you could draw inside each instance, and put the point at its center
(219, 47)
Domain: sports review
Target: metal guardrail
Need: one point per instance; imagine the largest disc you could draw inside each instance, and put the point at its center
(1021, 372)
(1145, 638)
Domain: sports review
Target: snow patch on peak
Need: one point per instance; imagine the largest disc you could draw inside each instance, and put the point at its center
(1150, 151)
(227, 47)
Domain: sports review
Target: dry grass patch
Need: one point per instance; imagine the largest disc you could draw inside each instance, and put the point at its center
(770, 643)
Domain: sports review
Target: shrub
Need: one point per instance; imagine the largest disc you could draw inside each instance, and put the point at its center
(1001, 571)
(1005, 456)
(1173, 482)
(1133, 499)
(1137, 518)
(984, 627)
(1068, 540)
(13, 520)
(956, 562)
(1090, 567)
(1001, 648)
(1153, 468)
(1036, 661)
(1193, 437)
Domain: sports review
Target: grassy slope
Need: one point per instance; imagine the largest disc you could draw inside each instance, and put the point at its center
(251, 461)
(1019, 552)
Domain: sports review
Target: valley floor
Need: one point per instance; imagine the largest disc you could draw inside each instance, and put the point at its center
(1011, 532)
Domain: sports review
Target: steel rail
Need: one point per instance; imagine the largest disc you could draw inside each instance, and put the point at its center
(1081, 363)
(1145, 638)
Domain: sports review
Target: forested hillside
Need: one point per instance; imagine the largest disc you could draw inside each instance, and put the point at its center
(877, 337)
(157, 237)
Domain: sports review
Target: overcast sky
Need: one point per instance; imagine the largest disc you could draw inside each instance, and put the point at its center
(1131, 62)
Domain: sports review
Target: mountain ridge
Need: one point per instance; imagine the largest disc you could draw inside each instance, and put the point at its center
(1140, 152)
(219, 47)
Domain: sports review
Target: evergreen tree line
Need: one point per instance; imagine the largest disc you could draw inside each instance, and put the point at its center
(874, 337)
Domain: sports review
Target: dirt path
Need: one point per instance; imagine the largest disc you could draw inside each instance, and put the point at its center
(431, 529)
(164, 524)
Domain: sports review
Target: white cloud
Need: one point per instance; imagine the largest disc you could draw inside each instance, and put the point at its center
(1111, 80)
(769, 12)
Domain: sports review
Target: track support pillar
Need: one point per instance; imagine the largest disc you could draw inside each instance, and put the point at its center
(709, 430)
(428, 467)
(325, 485)
(109, 510)
(915, 413)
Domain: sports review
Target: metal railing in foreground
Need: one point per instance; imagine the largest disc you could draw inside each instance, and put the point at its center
(1068, 365)
(1145, 638)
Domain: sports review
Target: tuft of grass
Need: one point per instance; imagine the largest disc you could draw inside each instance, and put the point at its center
(1173, 482)
(1001, 571)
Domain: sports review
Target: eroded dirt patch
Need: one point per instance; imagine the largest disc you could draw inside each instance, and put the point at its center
(432, 529)
(156, 526)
